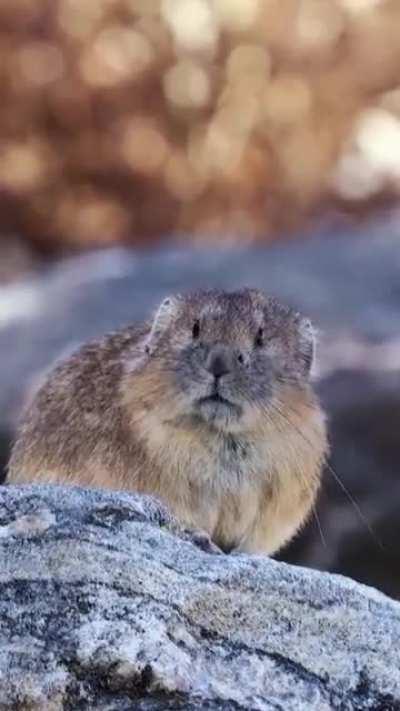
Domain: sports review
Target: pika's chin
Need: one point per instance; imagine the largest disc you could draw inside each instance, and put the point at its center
(218, 411)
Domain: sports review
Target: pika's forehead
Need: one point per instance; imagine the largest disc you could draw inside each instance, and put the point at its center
(226, 309)
(246, 304)
(238, 312)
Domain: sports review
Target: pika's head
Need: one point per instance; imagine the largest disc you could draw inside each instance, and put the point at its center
(224, 356)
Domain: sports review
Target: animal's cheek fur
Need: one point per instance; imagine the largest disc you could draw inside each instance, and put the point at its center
(252, 389)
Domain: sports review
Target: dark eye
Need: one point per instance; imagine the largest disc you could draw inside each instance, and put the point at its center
(196, 330)
(259, 340)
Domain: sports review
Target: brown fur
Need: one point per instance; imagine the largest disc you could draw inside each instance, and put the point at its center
(113, 416)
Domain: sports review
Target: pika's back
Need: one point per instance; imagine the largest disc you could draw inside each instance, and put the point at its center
(78, 398)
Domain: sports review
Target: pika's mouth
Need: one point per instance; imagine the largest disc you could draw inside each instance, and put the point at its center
(215, 406)
(217, 399)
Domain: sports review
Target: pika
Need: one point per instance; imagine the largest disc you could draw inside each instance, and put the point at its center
(208, 406)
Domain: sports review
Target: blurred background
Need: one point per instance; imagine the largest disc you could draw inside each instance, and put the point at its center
(149, 146)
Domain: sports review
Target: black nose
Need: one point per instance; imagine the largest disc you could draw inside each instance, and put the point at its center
(218, 365)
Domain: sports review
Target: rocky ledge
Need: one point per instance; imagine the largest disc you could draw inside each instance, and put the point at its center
(106, 603)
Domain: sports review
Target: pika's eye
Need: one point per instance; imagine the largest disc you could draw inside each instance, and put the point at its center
(196, 330)
(259, 340)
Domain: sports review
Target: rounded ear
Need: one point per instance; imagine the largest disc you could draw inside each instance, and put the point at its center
(162, 318)
(307, 343)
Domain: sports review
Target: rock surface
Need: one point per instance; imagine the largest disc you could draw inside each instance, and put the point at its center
(347, 282)
(107, 604)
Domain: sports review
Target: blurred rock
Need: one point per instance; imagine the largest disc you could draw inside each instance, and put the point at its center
(109, 605)
(348, 283)
(124, 120)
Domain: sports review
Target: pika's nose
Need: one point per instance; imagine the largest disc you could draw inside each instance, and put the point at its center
(218, 364)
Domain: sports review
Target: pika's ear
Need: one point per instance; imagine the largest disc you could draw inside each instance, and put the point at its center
(162, 318)
(307, 344)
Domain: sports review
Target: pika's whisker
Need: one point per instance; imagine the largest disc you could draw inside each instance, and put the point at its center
(337, 478)
(321, 533)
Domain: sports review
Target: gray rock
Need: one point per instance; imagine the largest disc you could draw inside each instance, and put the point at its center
(107, 604)
(347, 282)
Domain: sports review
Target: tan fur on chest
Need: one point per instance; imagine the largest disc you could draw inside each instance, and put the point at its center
(248, 492)
(210, 481)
